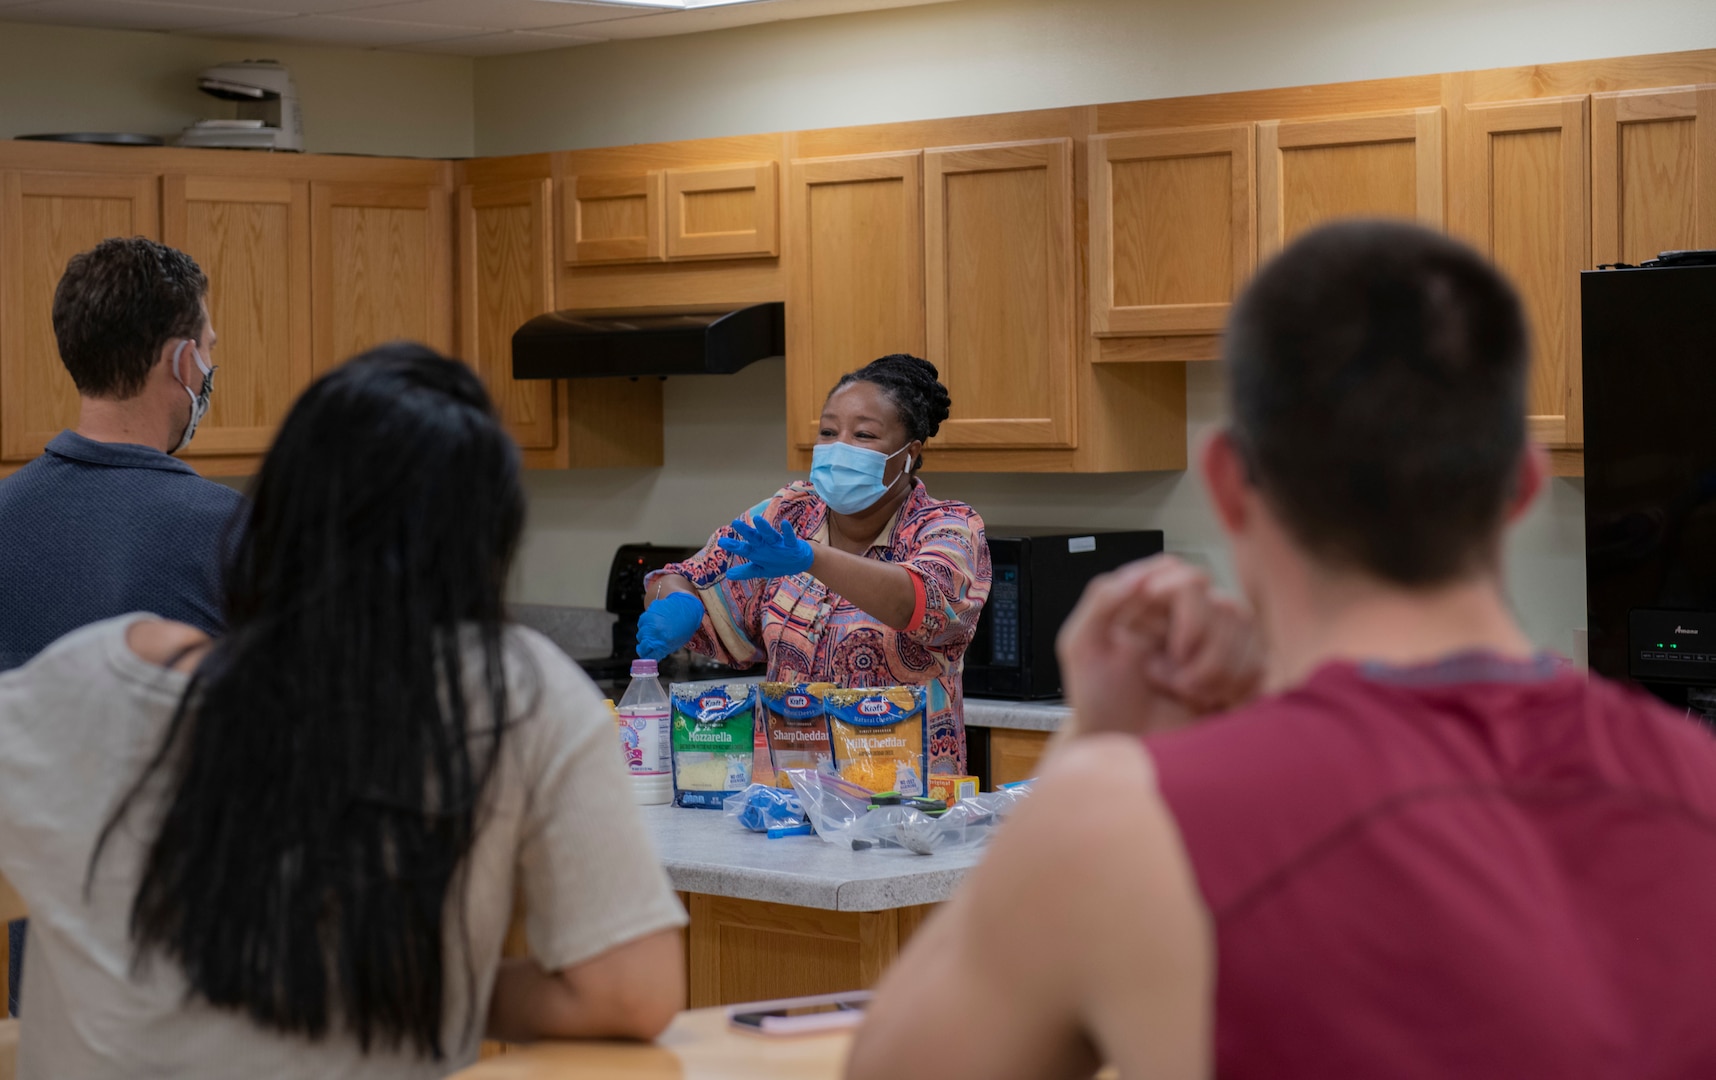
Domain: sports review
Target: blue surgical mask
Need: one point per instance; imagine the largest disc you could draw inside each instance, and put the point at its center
(200, 397)
(849, 478)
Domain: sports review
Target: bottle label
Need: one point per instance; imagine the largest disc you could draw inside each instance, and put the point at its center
(645, 739)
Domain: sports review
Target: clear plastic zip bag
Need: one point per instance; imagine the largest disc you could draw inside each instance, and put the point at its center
(843, 813)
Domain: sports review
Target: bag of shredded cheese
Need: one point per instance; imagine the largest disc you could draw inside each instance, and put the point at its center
(712, 741)
(797, 730)
(879, 736)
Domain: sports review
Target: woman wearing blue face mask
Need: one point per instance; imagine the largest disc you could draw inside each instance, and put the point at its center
(857, 577)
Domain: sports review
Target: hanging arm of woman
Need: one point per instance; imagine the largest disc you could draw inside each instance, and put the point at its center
(631, 991)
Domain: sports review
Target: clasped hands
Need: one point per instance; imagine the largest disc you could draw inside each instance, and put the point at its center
(1153, 646)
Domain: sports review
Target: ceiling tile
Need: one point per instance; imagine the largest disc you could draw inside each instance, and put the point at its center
(502, 44)
(697, 20)
(401, 23)
(339, 30)
(499, 14)
(296, 7)
(130, 14)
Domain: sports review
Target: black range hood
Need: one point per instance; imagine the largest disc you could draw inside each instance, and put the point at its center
(706, 339)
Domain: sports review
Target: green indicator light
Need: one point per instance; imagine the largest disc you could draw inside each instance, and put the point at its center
(1674, 646)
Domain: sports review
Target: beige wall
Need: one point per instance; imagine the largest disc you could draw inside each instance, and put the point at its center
(725, 435)
(987, 56)
(355, 101)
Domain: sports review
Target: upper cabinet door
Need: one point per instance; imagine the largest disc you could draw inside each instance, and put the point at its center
(723, 212)
(998, 296)
(252, 239)
(1171, 236)
(506, 277)
(1653, 172)
(611, 219)
(382, 268)
(855, 272)
(45, 219)
(1525, 202)
(1313, 171)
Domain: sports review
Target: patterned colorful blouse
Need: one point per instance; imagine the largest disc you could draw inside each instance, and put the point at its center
(811, 635)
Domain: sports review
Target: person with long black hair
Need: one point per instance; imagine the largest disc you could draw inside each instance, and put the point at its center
(292, 851)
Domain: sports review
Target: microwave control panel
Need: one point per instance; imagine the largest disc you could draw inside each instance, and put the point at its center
(1672, 646)
(1002, 609)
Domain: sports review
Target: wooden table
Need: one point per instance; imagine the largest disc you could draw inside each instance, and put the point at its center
(697, 1046)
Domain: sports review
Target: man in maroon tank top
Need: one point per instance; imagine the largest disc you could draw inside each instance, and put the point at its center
(1368, 831)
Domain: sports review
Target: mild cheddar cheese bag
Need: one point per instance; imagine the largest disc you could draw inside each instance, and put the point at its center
(796, 727)
(712, 742)
(880, 737)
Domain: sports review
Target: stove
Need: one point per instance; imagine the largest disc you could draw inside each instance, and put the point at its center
(625, 601)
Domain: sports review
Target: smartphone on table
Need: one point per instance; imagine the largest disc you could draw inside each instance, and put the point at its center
(800, 1016)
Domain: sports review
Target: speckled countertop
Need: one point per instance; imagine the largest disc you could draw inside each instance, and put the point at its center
(1018, 715)
(705, 852)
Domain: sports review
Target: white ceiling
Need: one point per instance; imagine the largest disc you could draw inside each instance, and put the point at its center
(463, 27)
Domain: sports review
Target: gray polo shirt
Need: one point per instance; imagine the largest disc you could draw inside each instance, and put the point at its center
(91, 530)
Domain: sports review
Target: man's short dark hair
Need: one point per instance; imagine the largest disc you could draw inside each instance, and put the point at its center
(1377, 378)
(115, 307)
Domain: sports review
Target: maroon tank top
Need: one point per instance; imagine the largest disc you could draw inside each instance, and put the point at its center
(1474, 869)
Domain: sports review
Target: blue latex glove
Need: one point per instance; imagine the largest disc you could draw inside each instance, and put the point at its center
(768, 553)
(770, 808)
(666, 625)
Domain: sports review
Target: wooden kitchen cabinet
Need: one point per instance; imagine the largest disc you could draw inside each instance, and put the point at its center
(1525, 204)
(1381, 165)
(723, 212)
(309, 259)
(982, 277)
(1653, 172)
(753, 950)
(381, 268)
(506, 277)
(999, 292)
(1171, 237)
(686, 213)
(855, 271)
(613, 219)
(1015, 755)
(251, 236)
(506, 265)
(45, 219)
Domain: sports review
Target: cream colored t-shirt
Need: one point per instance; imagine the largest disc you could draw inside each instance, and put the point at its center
(77, 726)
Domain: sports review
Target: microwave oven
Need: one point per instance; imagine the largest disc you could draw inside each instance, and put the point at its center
(1039, 575)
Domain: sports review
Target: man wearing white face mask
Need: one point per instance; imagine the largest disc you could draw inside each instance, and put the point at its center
(858, 577)
(106, 521)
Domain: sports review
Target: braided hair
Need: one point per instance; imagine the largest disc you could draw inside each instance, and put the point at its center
(914, 386)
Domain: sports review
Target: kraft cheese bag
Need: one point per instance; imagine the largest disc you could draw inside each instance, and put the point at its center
(880, 737)
(797, 730)
(713, 742)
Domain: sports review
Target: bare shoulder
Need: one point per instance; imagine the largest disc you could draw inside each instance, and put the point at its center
(165, 643)
(1095, 812)
(1077, 940)
(1104, 862)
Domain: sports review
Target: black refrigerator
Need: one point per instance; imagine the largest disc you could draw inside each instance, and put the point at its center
(1650, 478)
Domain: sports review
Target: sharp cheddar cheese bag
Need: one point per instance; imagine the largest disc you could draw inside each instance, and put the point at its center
(712, 741)
(879, 736)
(797, 730)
